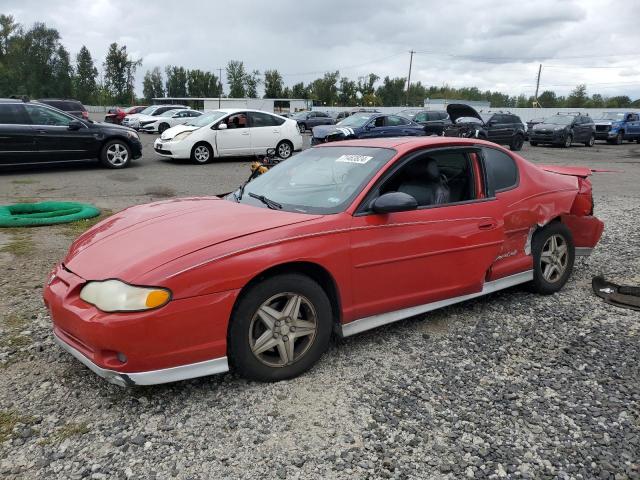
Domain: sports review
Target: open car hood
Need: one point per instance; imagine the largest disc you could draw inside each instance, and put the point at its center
(459, 110)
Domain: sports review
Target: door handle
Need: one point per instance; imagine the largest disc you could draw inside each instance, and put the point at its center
(488, 225)
(41, 131)
(245, 133)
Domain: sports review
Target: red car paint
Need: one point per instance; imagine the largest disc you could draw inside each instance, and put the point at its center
(206, 250)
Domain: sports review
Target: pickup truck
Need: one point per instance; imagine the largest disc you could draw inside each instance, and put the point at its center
(614, 127)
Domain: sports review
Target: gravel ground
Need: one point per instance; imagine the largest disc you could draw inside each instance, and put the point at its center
(513, 385)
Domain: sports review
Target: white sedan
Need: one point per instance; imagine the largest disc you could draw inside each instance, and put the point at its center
(168, 119)
(230, 132)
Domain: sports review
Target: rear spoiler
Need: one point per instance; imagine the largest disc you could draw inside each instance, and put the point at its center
(583, 172)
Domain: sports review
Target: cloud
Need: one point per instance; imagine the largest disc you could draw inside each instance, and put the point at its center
(494, 44)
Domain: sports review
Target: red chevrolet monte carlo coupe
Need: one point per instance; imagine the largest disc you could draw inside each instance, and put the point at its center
(343, 237)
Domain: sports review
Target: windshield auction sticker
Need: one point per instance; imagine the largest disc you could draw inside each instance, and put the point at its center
(359, 159)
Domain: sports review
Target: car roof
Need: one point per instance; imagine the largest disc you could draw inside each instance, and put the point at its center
(406, 143)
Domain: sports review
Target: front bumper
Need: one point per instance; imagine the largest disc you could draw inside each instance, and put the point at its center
(171, 149)
(184, 339)
(554, 138)
(136, 148)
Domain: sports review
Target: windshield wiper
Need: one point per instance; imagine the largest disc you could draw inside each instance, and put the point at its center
(269, 203)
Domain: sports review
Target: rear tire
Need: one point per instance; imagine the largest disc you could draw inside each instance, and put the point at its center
(269, 342)
(284, 149)
(201, 153)
(553, 254)
(516, 143)
(591, 141)
(115, 154)
(533, 144)
(162, 127)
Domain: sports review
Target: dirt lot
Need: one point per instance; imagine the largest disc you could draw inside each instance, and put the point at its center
(509, 386)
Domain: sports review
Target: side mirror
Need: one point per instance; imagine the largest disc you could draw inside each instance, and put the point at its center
(222, 126)
(394, 202)
(74, 125)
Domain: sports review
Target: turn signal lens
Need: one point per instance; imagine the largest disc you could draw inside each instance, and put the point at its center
(117, 296)
(157, 298)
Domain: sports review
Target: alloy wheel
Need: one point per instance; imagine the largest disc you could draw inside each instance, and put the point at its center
(554, 258)
(284, 150)
(567, 142)
(117, 154)
(283, 329)
(201, 153)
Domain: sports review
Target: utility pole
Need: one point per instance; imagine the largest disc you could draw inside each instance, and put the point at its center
(409, 77)
(220, 92)
(535, 103)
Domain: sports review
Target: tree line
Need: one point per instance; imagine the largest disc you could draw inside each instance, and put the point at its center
(34, 63)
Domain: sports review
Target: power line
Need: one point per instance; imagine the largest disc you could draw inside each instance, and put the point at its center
(480, 58)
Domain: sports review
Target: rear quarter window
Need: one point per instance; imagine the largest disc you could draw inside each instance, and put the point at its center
(501, 170)
(13, 114)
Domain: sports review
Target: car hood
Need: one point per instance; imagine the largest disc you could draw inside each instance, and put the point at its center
(322, 131)
(459, 110)
(169, 133)
(142, 238)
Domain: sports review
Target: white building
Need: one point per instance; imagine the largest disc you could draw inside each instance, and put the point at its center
(276, 105)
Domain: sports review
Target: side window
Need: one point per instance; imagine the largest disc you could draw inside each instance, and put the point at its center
(44, 116)
(434, 178)
(13, 114)
(259, 119)
(501, 170)
(277, 121)
(195, 114)
(421, 117)
(378, 122)
(395, 121)
(237, 120)
(633, 117)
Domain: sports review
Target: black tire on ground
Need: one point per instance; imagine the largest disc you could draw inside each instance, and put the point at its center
(201, 153)
(546, 278)
(569, 140)
(532, 143)
(162, 127)
(115, 154)
(284, 149)
(591, 141)
(619, 138)
(245, 320)
(516, 143)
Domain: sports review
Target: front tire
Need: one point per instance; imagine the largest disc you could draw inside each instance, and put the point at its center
(619, 138)
(115, 154)
(516, 143)
(553, 254)
(162, 127)
(284, 149)
(201, 153)
(533, 144)
(568, 141)
(591, 141)
(280, 328)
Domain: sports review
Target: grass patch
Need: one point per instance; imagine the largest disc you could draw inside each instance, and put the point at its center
(21, 244)
(8, 421)
(75, 229)
(70, 430)
(25, 181)
(12, 338)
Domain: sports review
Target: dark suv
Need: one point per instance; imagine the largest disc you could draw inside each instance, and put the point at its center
(308, 120)
(434, 122)
(74, 107)
(564, 129)
(503, 128)
(35, 133)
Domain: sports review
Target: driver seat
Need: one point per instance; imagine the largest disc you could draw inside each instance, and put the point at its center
(424, 183)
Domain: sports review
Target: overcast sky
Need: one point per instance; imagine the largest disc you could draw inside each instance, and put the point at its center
(491, 44)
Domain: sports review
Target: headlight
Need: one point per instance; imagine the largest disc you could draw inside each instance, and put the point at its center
(182, 135)
(117, 296)
(557, 129)
(133, 135)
